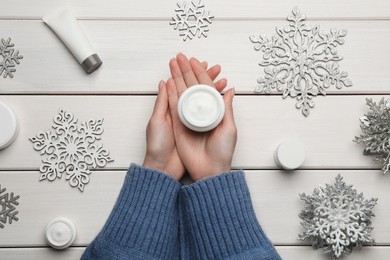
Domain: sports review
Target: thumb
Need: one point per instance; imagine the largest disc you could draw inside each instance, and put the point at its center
(173, 99)
(228, 100)
(161, 104)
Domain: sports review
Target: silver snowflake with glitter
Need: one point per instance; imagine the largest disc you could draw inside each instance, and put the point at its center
(191, 20)
(71, 148)
(375, 126)
(10, 57)
(337, 218)
(8, 203)
(301, 61)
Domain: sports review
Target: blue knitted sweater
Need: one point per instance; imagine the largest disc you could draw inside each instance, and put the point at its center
(155, 217)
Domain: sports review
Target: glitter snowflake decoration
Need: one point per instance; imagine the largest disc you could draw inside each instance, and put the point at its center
(191, 20)
(8, 203)
(71, 148)
(375, 126)
(337, 218)
(301, 61)
(10, 57)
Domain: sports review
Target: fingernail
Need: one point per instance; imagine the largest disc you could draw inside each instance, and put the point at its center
(160, 85)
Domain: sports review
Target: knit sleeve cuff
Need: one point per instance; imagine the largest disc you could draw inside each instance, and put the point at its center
(145, 216)
(220, 218)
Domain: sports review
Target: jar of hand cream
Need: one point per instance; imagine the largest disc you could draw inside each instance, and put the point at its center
(201, 108)
(9, 127)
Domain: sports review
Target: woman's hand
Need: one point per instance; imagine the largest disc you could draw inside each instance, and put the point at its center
(203, 154)
(161, 151)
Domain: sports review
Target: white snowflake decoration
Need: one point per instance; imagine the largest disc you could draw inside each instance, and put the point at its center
(375, 126)
(337, 218)
(8, 203)
(191, 20)
(72, 148)
(10, 57)
(301, 61)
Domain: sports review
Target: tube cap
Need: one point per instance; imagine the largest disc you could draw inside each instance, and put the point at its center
(60, 233)
(91, 63)
(9, 127)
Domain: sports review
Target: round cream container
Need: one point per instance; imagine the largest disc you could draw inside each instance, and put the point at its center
(201, 108)
(290, 154)
(9, 127)
(60, 233)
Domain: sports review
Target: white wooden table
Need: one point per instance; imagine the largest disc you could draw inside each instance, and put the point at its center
(135, 41)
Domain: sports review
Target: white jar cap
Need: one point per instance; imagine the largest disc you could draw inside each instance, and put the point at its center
(201, 108)
(290, 154)
(60, 233)
(9, 127)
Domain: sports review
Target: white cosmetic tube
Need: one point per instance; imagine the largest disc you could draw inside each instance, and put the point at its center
(65, 25)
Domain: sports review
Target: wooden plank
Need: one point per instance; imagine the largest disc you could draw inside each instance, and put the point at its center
(136, 55)
(41, 253)
(263, 122)
(123, 9)
(286, 252)
(306, 252)
(274, 194)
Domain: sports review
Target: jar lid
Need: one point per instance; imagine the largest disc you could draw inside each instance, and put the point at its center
(60, 233)
(9, 127)
(290, 154)
(201, 108)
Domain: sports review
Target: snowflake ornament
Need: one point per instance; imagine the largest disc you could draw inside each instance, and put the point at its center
(301, 61)
(8, 203)
(71, 148)
(375, 126)
(337, 218)
(191, 20)
(10, 57)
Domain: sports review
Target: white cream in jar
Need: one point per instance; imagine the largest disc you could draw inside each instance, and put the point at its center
(201, 108)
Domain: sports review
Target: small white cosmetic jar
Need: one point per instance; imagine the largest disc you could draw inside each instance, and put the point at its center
(201, 108)
(60, 233)
(9, 127)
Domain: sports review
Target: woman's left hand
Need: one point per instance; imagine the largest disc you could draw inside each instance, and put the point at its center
(161, 153)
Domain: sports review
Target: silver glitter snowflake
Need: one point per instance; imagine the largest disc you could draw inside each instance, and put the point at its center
(191, 20)
(301, 61)
(8, 203)
(10, 57)
(375, 126)
(71, 148)
(337, 218)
